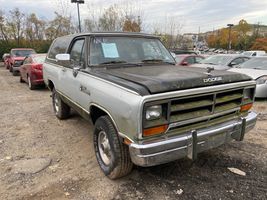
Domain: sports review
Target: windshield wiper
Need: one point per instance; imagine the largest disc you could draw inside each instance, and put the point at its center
(123, 62)
(157, 61)
(113, 62)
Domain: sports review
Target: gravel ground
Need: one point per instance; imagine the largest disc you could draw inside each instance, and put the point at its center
(42, 157)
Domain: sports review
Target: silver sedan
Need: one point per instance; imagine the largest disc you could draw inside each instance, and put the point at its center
(257, 69)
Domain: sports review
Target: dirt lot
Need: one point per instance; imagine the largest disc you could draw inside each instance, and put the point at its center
(42, 157)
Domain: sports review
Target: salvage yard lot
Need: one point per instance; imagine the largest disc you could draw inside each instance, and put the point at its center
(42, 157)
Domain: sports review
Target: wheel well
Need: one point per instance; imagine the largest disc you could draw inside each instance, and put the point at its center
(50, 85)
(96, 112)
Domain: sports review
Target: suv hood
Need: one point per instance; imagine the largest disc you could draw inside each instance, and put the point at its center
(165, 78)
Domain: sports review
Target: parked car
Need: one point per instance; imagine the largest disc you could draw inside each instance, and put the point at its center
(254, 53)
(187, 59)
(6, 59)
(222, 61)
(17, 57)
(144, 110)
(256, 68)
(31, 71)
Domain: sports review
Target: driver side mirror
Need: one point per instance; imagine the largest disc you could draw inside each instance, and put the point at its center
(63, 57)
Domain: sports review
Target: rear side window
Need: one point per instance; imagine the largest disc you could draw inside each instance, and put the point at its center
(60, 45)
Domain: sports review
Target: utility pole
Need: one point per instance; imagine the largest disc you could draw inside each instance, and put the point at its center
(229, 38)
(78, 9)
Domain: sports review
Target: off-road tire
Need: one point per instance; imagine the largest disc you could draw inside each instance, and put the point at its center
(120, 162)
(63, 110)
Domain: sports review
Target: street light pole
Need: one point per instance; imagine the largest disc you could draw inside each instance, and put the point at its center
(78, 8)
(229, 38)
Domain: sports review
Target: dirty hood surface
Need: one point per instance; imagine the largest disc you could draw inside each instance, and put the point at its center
(165, 78)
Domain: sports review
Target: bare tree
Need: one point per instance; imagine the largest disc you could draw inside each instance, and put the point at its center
(15, 24)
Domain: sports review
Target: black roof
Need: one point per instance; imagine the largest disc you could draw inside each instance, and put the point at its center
(133, 34)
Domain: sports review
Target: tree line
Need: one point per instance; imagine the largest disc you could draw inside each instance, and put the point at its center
(18, 29)
(243, 36)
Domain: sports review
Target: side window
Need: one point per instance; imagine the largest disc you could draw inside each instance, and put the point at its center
(237, 61)
(77, 52)
(60, 45)
(254, 54)
(198, 59)
(190, 60)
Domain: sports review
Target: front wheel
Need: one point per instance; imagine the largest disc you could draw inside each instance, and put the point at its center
(61, 109)
(112, 155)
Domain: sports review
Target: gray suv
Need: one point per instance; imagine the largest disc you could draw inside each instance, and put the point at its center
(145, 110)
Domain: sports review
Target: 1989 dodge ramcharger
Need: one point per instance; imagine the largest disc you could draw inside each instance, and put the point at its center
(145, 109)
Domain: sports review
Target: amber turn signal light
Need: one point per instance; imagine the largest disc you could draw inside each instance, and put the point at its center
(127, 141)
(155, 130)
(246, 107)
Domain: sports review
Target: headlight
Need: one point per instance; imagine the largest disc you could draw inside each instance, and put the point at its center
(154, 112)
(261, 80)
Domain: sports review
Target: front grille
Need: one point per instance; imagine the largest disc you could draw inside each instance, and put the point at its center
(204, 107)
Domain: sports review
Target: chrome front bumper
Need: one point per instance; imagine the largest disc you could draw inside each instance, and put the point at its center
(191, 143)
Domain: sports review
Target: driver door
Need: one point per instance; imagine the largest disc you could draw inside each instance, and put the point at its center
(71, 74)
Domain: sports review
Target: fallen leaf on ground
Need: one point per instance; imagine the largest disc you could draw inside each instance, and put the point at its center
(236, 171)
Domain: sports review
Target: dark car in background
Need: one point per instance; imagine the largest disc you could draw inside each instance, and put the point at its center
(17, 56)
(222, 61)
(31, 71)
(188, 59)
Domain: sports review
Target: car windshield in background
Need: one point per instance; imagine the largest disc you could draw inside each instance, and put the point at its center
(39, 59)
(255, 63)
(22, 53)
(133, 50)
(216, 60)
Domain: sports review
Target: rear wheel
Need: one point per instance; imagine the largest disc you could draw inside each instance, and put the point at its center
(21, 80)
(112, 155)
(61, 109)
(31, 86)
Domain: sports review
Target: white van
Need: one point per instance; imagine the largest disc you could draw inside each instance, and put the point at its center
(254, 53)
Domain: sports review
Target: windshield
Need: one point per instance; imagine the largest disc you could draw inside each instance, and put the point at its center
(216, 60)
(247, 53)
(111, 50)
(255, 63)
(39, 58)
(22, 53)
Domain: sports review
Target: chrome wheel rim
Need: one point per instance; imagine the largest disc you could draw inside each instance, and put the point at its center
(56, 103)
(104, 147)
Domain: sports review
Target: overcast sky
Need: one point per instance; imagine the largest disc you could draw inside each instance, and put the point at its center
(191, 14)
